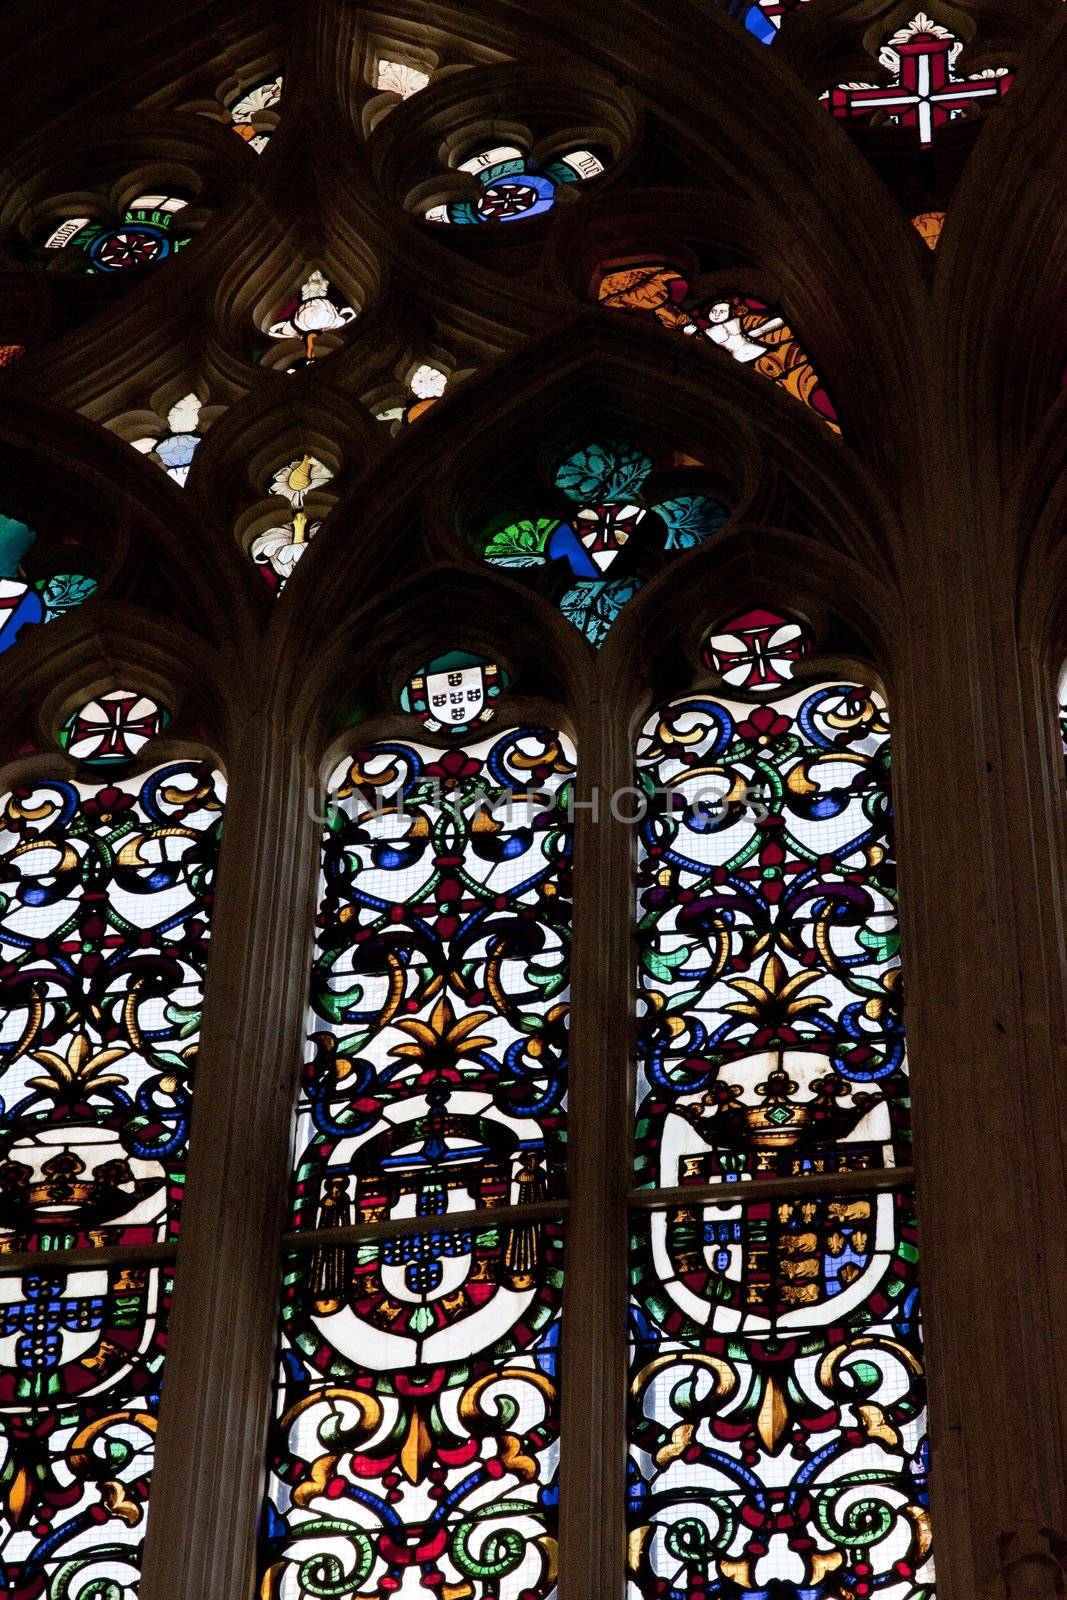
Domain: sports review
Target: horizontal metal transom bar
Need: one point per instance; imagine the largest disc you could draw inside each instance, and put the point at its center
(392, 1227)
(769, 1188)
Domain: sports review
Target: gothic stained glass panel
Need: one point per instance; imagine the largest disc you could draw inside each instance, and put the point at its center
(415, 1447)
(277, 550)
(399, 78)
(147, 234)
(777, 1430)
(771, 1035)
(748, 330)
(607, 509)
(761, 17)
(319, 308)
(81, 1353)
(512, 187)
(250, 105)
(924, 91)
(25, 601)
(107, 892)
(174, 450)
(415, 1442)
(438, 1056)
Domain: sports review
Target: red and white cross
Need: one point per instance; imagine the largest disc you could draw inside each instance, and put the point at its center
(926, 94)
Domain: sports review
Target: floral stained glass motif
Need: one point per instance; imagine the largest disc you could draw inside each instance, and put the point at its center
(81, 1355)
(148, 234)
(174, 450)
(277, 550)
(512, 187)
(777, 1425)
(243, 112)
(609, 524)
(319, 309)
(439, 991)
(399, 78)
(24, 601)
(425, 387)
(749, 331)
(924, 91)
(454, 693)
(415, 1441)
(113, 730)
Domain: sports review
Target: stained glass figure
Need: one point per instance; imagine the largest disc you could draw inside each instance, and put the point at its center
(425, 387)
(113, 729)
(432, 1101)
(757, 651)
(924, 90)
(777, 1424)
(25, 602)
(512, 187)
(929, 225)
(277, 550)
(146, 236)
(610, 524)
(174, 451)
(748, 330)
(399, 78)
(81, 1355)
(244, 111)
(319, 309)
(454, 693)
(10, 353)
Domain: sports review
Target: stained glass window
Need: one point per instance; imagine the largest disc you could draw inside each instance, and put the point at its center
(425, 387)
(415, 1442)
(608, 511)
(107, 890)
(174, 450)
(317, 310)
(277, 549)
(746, 329)
(149, 232)
(454, 693)
(511, 186)
(246, 112)
(28, 598)
(777, 1424)
(761, 17)
(923, 90)
(928, 225)
(399, 78)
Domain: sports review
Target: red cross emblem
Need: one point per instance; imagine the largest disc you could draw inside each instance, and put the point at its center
(926, 92)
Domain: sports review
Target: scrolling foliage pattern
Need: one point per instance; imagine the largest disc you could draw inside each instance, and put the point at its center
(106, 894)
(415, 1447)
(105, 905)
(777, 1425)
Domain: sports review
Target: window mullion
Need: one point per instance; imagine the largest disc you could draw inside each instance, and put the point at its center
(209, 1471)
(592, 1520)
